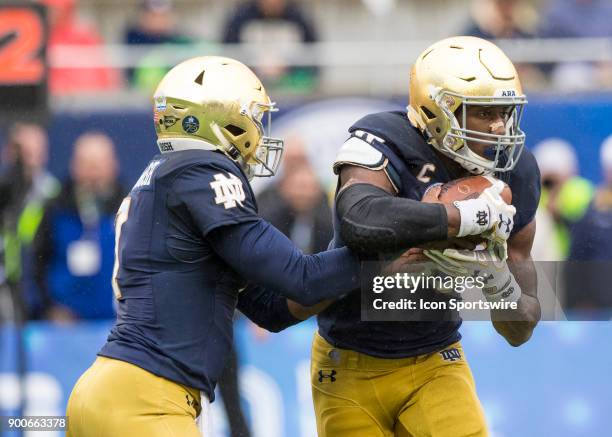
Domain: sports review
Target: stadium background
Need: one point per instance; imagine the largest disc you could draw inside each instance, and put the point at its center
(557, 384)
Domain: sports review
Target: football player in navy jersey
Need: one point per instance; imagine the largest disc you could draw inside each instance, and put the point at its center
(188, 241)
(412, 378)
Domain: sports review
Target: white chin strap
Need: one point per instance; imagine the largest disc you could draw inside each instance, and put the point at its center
(475, 168)
(230, 150)
(225, 144)
(475, 164)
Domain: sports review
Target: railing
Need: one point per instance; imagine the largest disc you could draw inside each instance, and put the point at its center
(328, 54)
(365, 68)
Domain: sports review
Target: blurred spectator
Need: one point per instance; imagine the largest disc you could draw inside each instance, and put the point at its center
(74, 246)
(507, 19)
(579, 19)
(593, 233)
(155, 24)
(588, 286)
(296, 203)
(565, 198)
(502, 19)
(278, 22)
(67, 30)
(25, 185)
(604, 195)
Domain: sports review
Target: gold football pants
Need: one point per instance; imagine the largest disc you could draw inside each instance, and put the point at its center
(116, 399)
(357, 395)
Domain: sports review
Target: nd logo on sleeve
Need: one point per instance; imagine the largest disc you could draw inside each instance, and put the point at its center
(228, 190)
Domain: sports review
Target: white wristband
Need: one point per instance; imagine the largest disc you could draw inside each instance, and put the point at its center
(475, 216)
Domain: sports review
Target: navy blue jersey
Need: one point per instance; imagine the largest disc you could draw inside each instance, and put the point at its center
(189, 239)
(413, 166)
(177, 296)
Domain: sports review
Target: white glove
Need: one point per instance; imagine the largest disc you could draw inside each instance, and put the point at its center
(487, 212)
(499, 282)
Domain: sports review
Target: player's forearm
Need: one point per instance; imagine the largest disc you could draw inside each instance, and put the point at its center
(262, 254)
(372, 220)
(516, 326)
(274, 312)
(310, 279)
(517, 332)
(267, 309)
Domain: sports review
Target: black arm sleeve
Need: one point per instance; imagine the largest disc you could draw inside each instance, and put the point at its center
(262, 254)
(266, 309)
(372, 220)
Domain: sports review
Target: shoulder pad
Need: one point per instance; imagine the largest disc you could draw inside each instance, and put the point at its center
(363, 149)
(358, 151)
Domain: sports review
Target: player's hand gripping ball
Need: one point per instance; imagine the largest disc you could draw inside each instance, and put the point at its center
(472, 188)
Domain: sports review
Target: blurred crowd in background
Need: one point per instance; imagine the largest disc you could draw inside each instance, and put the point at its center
(301, 46)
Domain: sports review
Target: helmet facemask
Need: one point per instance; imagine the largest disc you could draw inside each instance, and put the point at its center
(270, 150)
(264, 162)
(504, 149)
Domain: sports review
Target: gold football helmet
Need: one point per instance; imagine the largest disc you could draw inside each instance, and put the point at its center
(217, 103)
(453, 74)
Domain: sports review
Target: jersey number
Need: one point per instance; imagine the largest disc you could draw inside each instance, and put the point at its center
(122, 216)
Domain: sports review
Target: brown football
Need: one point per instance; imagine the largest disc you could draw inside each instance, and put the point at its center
(459, 189)
(463, 189)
